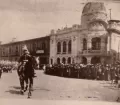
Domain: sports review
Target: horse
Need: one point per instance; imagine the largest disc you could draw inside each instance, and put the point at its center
(21, 75)
(26, 76)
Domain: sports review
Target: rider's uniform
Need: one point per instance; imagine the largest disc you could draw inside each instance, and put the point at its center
(29, 70)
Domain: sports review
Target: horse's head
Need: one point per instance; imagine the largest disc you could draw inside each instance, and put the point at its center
(35, 61)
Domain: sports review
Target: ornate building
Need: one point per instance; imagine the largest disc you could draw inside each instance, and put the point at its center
(96, 40)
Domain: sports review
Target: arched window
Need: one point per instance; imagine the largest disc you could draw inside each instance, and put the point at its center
(69, 60)
(95, 60)
(58, 47)
(63, 60)
(84, 44)
(96, 43)
(51, 61)
(64, 47)
(84, 60)
(69, 46)
(58, 60)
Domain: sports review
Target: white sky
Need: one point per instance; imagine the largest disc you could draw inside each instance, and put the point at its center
(26, 19)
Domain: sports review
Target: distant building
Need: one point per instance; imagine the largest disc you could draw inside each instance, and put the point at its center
(38, 47)
(96, 40)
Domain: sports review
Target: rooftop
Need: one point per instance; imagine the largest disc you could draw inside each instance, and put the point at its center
(114, 21)
(25, 41)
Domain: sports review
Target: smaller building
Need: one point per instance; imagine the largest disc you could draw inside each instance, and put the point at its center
(38, 47)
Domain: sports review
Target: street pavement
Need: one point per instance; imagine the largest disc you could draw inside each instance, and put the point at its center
(47, 87)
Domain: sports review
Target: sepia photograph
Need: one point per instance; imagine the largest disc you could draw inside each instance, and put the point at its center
(59, 52)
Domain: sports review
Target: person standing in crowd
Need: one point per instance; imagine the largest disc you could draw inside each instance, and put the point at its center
(0, 71)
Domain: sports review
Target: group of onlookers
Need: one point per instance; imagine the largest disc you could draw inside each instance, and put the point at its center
(7, 66)
(96, 72)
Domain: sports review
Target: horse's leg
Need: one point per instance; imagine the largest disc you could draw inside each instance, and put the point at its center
(31, 82)
(26, 81)
(22, 85)
(30, 86)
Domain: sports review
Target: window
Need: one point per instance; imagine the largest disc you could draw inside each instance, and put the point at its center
(63, 60)
(16, 50)
(64, 47)
(69, 46)
(96, 43)
(69, 60)
(58, 47)
(84, 44)
(43, 45)
(58, 60)
(34, 46)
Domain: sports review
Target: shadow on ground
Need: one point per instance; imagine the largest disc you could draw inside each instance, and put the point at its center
(42, 89)
(14, 92)
(16, 87)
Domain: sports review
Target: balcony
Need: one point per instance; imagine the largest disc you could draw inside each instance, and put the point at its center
(93, 52)
(58, 52)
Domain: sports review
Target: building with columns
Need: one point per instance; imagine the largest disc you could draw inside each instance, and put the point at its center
(96, 40)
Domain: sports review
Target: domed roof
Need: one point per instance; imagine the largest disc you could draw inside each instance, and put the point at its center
(92, 7)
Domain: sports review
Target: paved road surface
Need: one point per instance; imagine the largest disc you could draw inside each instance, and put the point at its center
(48, 87)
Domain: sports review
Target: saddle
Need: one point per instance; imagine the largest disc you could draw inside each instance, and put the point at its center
(21, 69)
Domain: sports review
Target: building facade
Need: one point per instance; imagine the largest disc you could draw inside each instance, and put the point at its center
(96, 40)
(38, 47)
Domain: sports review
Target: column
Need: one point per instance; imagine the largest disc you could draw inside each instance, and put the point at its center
(108, 43)
(81, 43)
(89, 43)
(80, 59)
(103, 45)
(88, 60)
(66, 47)
(73, 60)
(61, 47)
(102, 60)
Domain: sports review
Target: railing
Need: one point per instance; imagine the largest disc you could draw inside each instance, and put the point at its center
(91, 51)
(69, 52)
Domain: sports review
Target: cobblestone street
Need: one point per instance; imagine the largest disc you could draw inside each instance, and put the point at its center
(48, 87)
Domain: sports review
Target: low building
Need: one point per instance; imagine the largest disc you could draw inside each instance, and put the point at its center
(38, 47)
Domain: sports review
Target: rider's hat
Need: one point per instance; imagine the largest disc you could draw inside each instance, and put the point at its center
(25, 50)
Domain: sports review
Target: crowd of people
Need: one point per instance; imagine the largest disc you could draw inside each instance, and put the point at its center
(7, 66)
(105, 72)
(96, 72)
(89, 71)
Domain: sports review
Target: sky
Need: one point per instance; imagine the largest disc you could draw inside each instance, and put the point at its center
(27, 19)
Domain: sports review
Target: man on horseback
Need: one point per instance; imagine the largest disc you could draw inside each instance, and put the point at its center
(26, 65)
